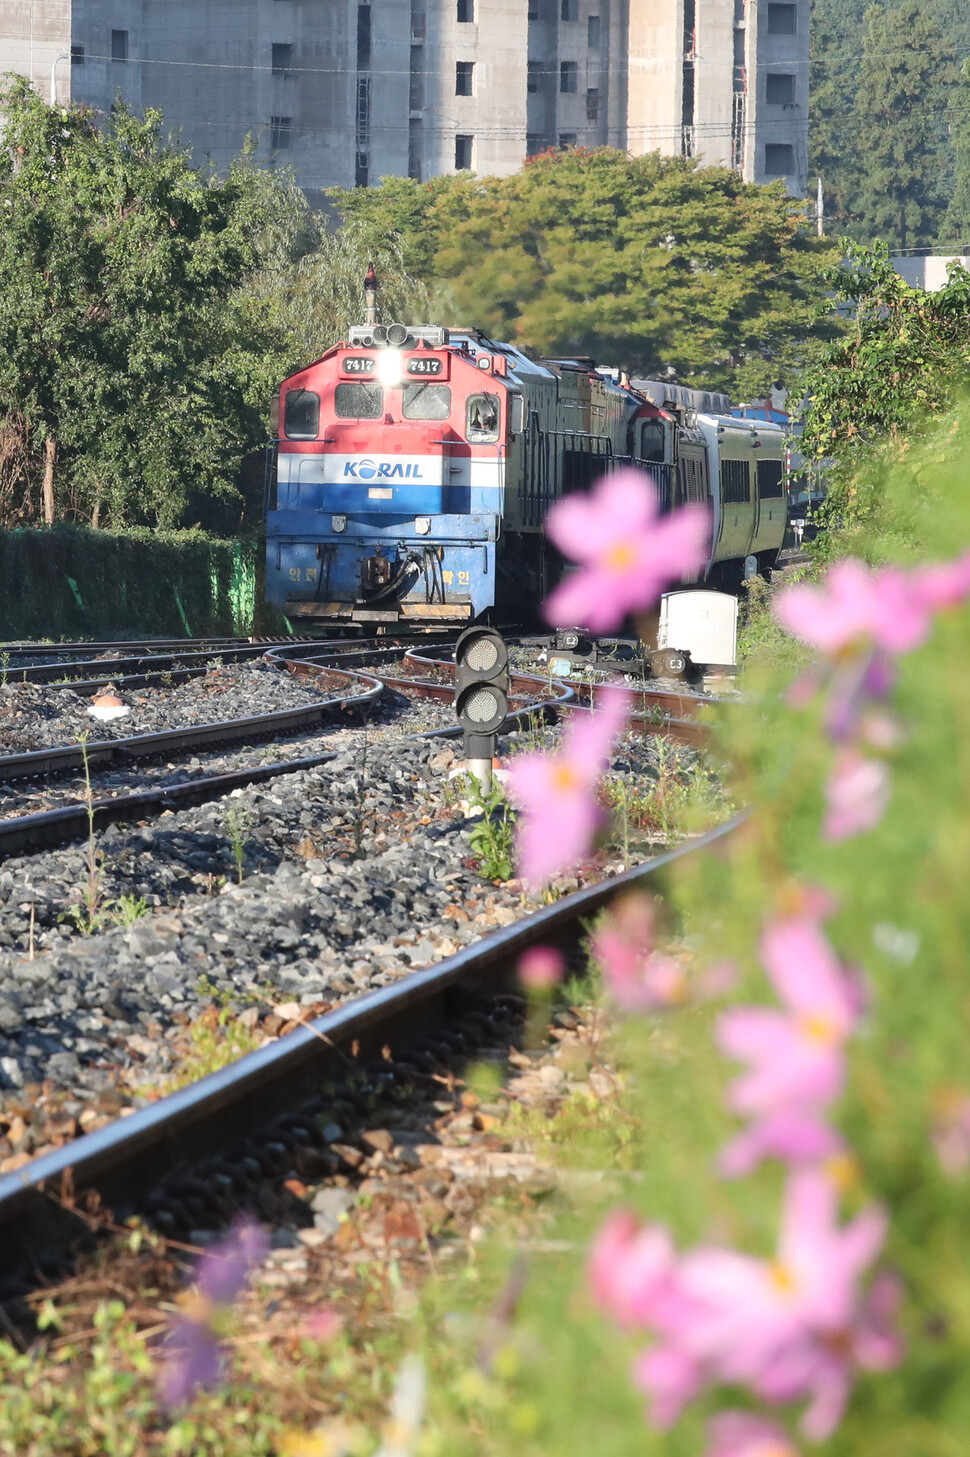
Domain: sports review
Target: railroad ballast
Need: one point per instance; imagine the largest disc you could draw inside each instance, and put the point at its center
(414, 467)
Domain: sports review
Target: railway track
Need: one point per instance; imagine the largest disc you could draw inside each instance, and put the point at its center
(256, 1113)
(353, 678)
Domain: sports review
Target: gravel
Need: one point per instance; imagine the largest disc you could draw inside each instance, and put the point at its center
(39, 715)
(353, 874)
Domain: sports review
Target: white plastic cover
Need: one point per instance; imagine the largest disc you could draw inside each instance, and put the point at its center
(705, 624)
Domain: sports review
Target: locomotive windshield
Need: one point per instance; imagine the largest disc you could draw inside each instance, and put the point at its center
(358, 401)
(482, 419)
(301, 415)
(427, 401)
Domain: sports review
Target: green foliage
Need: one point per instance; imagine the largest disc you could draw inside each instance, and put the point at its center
(904, 80)
(649, 262)
(237, 825)
(886, 118)
(119, 339)
(148, 311)
(955, 232)
(888, 382)
(137, 582)
(491, 837)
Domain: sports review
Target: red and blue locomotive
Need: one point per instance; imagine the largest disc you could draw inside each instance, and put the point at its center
(415, 466)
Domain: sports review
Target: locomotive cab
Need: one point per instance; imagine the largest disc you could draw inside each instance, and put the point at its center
(390, 479)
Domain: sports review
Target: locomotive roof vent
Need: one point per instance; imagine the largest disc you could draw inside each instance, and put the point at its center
(397, 336)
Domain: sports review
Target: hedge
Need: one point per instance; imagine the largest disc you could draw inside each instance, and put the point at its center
(72, 582)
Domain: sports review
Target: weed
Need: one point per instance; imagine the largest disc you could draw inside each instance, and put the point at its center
(4, 668)
(237, 824)
(216, 1039)
(491, 838)
(683, 797)
(128, 909)
(89, 913)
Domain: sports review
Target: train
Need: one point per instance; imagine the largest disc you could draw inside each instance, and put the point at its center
(412, 467)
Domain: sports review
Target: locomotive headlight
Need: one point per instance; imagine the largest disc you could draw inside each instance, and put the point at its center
(390, 367)
(422, 525)
(338, 523)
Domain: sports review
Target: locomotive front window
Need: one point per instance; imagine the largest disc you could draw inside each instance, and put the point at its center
(301, 415)
(427, 401)
(359, 401)
(482, 419)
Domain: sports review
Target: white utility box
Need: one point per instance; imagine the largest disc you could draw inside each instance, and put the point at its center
(704, 624)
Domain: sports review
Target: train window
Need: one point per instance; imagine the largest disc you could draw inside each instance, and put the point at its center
(736, 482)
(652, 441)
(483, 419)
(427, 402)
(770, 486)
(358, 401)
(301, 416)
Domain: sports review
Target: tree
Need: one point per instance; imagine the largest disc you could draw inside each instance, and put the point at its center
(955, 232)
(123, 353)
(905, 173)
(652, 263)
(889, 380)
(833, 133)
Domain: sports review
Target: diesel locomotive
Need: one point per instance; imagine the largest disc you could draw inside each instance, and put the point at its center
(413, 468)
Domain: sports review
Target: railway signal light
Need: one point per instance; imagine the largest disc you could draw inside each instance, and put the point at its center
(481, 695)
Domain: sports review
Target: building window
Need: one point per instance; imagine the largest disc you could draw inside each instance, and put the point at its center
(119, 45)
(534, 142)
(281, 129)
(780, 89)
(779, 159)
(566, 140)
(570, 9)
(593, 32)
(282, 58)
(77, 55)
(465, 78)
(464, 153)
(363, 37)
(593, 104)
(568, 77)
(535, 72)
(361, 174)
(466, 12)
(782, 19)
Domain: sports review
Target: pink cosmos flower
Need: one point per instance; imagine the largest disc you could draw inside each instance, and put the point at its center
(795, 1055)
(541, 968)
(857, 793)
(793, 1136)
(630, 1266)
(856, 604)
(741, 1434)
(628, 552)
(195, 1352)
(787, 1328)
(943, 585)
(323, 1324)
(637, 977)
(555, 792)
(951, 1131)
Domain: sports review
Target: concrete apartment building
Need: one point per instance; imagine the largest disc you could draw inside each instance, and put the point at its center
(346, 91)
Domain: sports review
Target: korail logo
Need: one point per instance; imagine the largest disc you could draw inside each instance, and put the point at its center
(385, 470)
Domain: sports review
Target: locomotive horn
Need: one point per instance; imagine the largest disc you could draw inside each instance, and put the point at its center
(370, 295)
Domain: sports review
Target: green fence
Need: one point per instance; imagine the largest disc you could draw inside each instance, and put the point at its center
(71, 582)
